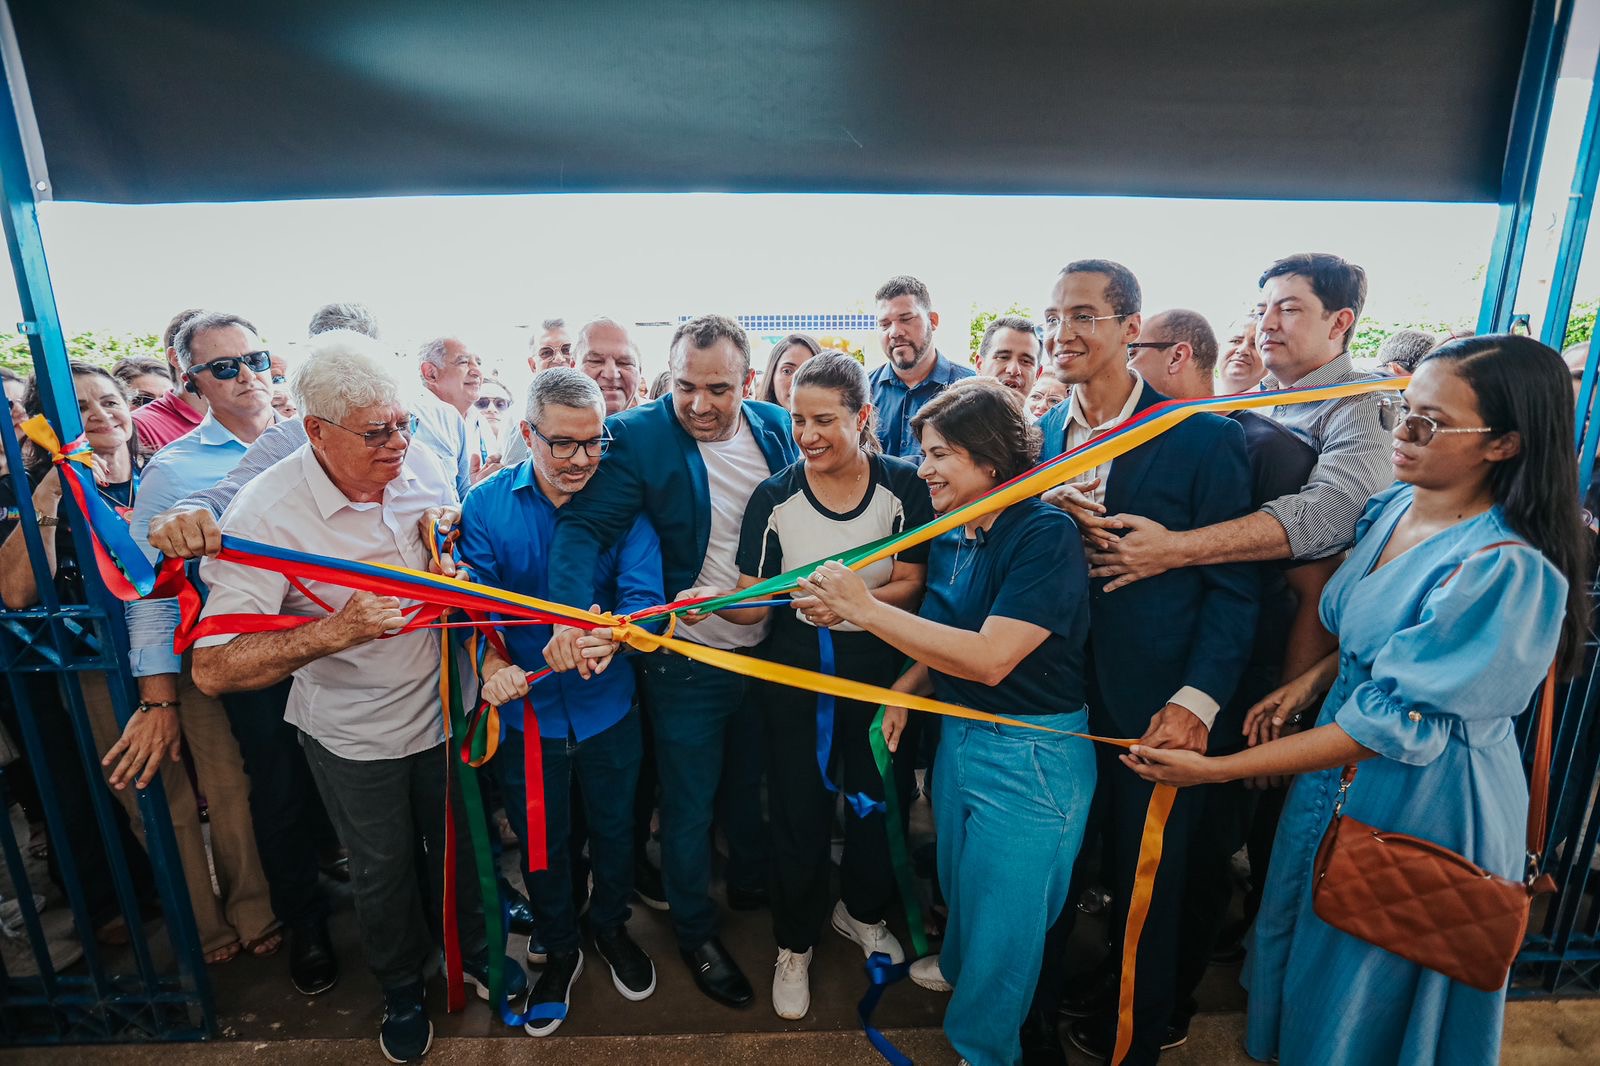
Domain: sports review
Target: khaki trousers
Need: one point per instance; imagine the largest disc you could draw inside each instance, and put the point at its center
(244, 910)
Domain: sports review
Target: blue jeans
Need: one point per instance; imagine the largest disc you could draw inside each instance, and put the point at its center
(707, 735)
(607, 769)
(1010, 813)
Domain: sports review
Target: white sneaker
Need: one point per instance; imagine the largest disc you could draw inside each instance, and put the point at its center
(925, 972)
(791, 984)
(872, 938)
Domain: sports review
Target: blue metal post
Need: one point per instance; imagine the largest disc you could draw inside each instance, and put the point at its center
(1530, 121)
(1574, 233)
(74, 639)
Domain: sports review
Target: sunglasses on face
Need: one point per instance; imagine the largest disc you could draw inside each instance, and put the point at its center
(227, 368)
(483, 403)
(1418, 429)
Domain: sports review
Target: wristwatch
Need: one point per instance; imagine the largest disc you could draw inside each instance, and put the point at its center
(49, 520)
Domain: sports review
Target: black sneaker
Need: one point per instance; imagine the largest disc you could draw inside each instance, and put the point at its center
(406, 1033)
(648, 887)
(631, 969)
(475, 972)
(554, 990)
(1096, 1037)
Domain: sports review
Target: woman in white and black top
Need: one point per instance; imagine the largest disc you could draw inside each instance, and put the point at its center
(841, 494)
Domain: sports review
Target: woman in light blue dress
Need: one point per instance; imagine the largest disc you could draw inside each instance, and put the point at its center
(1445, 631)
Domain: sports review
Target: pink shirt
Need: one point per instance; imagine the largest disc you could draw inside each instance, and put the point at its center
(163, 421)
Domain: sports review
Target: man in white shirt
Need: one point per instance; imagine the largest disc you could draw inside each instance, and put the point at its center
(368, 708)
(691, 464)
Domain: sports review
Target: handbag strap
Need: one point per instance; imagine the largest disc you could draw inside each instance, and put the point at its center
(1539, 779)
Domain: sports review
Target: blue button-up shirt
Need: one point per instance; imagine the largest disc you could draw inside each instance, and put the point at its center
(507, 524)
(897, 405)
(196, 460)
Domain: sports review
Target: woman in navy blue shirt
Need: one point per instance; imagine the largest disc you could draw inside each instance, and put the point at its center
(1002, 629)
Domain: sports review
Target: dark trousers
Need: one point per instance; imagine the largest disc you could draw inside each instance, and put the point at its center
(1123, 798)
(285, 808)
(707, 737)
(1222, 823)
(605, 768)
(802, 810)
(384, 810)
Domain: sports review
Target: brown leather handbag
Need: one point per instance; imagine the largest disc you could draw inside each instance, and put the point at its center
(1424, 902)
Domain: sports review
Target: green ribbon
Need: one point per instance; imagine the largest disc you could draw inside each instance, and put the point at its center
(494, 928)
(899, 854)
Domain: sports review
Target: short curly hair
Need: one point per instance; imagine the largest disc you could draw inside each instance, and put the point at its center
(986, 418)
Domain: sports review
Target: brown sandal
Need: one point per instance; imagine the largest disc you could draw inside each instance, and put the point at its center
(265, 946)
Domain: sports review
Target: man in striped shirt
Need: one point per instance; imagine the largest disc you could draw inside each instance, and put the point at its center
(1312, 302)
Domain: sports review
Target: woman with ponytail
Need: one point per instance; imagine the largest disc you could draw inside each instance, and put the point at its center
(1468, 579)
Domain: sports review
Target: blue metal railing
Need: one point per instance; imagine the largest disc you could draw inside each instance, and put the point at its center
(150, 989)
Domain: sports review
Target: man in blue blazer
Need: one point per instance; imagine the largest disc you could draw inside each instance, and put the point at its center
(690, 461)
(1164, 659)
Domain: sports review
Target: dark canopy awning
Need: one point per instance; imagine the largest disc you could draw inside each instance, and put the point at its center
(165, 100)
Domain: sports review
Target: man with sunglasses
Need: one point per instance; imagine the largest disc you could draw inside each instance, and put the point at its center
(588, 726)
(225, 364)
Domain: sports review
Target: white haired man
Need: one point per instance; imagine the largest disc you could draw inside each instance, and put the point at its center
(367, 708)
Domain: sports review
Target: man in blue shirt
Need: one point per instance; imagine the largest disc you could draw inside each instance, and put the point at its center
(224, 361)
(915, 372)
(587, 722)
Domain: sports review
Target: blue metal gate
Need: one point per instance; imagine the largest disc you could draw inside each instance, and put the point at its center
(152, 987)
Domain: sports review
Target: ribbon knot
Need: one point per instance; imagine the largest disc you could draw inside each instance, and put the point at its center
(39, 430)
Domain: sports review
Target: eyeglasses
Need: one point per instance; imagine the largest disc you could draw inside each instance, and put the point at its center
(1159, 346)
(227, 368)
(377, 438)
(483, 403)
(566, 449)
(1418, 429)
(1080, 324)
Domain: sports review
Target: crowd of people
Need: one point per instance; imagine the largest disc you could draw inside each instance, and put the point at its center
(1259, 597)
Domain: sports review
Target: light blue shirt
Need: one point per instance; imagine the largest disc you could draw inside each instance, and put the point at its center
(194, 461)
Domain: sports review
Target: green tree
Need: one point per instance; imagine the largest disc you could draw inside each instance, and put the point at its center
(102, 349)
(1580, 325)
(1370, 335)
(980, 322)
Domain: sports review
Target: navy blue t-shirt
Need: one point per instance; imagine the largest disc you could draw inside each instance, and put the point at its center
(1028, 566)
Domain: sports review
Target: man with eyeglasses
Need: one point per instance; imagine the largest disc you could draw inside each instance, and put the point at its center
(289, 823)
(1312, 301)
(367, 708)
(1009, 353)
(607, 355)
(915, 371)
(588, 727)
(690, 465)
(1165, 657)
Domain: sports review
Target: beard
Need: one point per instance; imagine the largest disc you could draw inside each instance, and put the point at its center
(901, 361)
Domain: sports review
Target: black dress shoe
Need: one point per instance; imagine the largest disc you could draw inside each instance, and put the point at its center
(1097, 1037)
(747, 899)
(518, 914)
(1041, 1041)
(313, 967)
(717, 975)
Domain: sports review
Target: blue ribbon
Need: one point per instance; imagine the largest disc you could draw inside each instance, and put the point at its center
(882, 973)
(860, 802)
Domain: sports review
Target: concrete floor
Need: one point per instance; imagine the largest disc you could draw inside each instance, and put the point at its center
(262, 1020)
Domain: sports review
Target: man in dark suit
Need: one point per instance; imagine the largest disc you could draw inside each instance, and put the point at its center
(690, 461)
(1165, 660)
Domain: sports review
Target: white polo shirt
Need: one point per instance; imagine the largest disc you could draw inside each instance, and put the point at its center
(378, 700)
